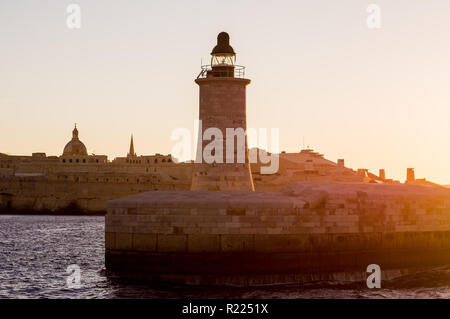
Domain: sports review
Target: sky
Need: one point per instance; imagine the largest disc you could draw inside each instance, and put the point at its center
(379, 98)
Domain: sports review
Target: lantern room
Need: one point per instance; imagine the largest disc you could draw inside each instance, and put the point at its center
(223, 60)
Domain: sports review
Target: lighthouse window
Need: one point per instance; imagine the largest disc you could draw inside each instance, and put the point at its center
(223, 60)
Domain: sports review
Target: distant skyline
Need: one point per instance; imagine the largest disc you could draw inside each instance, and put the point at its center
(377, 98)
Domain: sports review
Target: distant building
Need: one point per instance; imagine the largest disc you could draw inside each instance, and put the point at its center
(75, 152)
(382, 174)
(411, 179)
(410, 175)
(308, 165)
(77, 181)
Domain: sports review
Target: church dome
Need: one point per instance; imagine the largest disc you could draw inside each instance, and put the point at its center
(75, 146)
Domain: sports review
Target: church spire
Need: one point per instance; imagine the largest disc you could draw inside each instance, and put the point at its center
(131, 152)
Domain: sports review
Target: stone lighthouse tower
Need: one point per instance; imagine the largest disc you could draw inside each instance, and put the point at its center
(222, 153)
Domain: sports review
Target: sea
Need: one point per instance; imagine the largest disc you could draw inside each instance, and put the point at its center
(36, 254)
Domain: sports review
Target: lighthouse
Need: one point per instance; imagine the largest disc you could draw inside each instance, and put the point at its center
(222, 161)
(224, 233)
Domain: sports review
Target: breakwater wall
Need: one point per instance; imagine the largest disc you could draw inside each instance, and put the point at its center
(243, 238)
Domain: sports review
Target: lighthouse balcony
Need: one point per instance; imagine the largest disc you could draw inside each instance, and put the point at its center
(225, 71)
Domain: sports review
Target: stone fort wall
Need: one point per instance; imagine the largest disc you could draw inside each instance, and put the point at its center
(83, 184)
(86, 191)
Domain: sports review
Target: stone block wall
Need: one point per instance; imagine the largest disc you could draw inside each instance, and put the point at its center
(261, 213)
(222, 106)
(307, 228)
(79, 192)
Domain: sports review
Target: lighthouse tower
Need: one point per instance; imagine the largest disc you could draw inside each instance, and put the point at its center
(222, 109)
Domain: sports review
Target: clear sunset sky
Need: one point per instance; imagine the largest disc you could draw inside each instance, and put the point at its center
(378, 98)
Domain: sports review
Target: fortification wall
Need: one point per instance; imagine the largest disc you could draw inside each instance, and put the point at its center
(76, 193)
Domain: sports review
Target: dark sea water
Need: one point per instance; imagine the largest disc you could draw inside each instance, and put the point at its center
(36, 250)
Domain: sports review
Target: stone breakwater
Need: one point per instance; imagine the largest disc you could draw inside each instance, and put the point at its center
(306, 230)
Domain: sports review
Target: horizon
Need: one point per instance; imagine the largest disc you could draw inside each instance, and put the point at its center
(377, 98)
